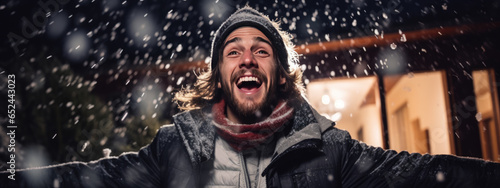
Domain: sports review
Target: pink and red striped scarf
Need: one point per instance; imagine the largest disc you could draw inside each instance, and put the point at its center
(245, 136)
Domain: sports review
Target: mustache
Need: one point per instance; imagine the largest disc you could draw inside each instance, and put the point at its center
(254, 72)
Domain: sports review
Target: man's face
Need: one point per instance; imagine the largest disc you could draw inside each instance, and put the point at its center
(248, 74)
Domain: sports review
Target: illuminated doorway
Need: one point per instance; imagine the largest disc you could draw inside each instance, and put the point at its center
(353, 103)
(418, 113)
(487, 113)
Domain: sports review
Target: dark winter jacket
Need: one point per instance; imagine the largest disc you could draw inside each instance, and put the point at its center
(316, 155)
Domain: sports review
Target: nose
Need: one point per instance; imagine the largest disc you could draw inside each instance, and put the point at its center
(248, 60)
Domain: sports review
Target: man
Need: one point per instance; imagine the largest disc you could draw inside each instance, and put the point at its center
(246, 124)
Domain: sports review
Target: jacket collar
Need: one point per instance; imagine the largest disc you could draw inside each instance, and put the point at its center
(306, 133)
(198, 133)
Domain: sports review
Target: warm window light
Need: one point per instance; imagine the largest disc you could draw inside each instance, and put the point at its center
(339, 104)
(336, 116)
(325, 99)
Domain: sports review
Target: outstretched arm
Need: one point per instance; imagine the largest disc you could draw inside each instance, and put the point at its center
(372, 166)
(137, 169)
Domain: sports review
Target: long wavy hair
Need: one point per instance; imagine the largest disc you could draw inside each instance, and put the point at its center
(205, 91)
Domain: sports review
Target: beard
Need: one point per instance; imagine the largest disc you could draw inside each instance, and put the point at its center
(251, 111)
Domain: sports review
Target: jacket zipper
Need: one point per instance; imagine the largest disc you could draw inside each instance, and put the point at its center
(245, 171)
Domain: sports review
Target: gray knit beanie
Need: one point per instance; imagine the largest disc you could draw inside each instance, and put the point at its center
(249, 17)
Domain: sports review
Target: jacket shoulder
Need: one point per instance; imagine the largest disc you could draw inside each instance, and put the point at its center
(167, 134)
(335, 135)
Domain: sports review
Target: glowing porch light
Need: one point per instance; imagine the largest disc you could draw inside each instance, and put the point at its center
(339, 104)
(325, 99)
(336, 117)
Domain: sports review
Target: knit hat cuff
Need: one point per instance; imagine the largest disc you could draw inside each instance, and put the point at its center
(252, 18)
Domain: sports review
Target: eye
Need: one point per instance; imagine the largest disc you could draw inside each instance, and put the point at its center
(262, 52)
(232, 53)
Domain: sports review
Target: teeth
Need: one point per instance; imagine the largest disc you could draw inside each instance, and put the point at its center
(247, 79)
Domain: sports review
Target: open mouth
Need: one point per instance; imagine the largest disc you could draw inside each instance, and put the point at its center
(248, 83)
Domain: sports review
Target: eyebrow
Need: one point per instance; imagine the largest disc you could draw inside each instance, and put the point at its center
(260, 39)
(237, 39)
